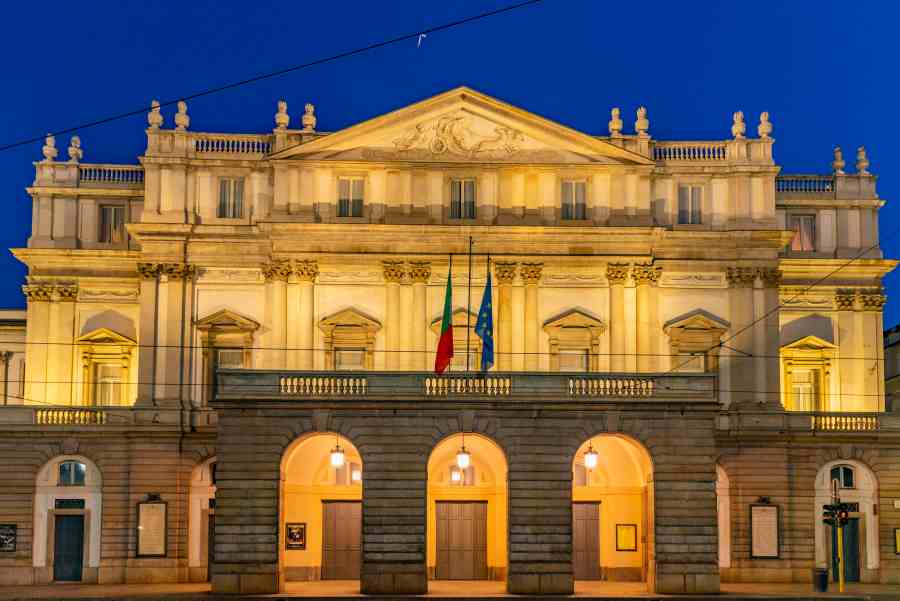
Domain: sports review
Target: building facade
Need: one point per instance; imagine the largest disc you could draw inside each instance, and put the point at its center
(229, 348)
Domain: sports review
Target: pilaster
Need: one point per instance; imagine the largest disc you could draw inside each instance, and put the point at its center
(147, 332)
(302, 279)
(36, 338)
(531, 277)
(616, 274)
(505, 274)
(738, 353)
(419, 275)
(61, 339)
(274, 341)
(394, 273)
(645, 279)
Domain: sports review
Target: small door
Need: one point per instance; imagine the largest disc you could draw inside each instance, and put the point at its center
(461, 541)
(586, 541)
(210, 544)
(851, 552)
(68, 548)
(341, 540)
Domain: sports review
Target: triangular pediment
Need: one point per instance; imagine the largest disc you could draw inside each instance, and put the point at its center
(104, 336)
(573, 318)
(697, 319)
(809, 343)
(349, 318)
(460, 318)
(463, 125)
(228, 321)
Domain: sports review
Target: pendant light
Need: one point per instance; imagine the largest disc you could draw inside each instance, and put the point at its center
(462, 456)
(455, 475)
(337, 453)
(591, 457)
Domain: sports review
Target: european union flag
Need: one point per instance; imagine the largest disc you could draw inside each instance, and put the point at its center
(484, 327)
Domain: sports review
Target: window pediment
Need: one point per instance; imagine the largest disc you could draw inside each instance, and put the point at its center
(697, 334)
(349, 319)
(460, 318)
(809, 344)
(226, 320)
(697, 319)
(574, 318)
(105, 336)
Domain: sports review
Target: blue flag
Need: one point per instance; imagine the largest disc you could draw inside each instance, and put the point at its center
(484, 327)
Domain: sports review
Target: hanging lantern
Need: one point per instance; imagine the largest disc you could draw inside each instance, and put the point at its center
(590, 458)
(455, 475)
(355, 476)
(463, 458)
(337, 454)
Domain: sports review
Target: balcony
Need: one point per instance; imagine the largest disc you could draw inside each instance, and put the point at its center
(814, 423)
(258, 385)
(104, 418)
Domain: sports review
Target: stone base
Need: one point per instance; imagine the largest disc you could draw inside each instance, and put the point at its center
(394, 584)
(679, 584)
(245, 584)
(17, 576)
(540, 584)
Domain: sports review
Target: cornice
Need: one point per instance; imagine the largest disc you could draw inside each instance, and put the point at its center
(69, 191)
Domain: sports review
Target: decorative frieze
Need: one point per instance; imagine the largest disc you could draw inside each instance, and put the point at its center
(646, 274)
(505, 272)
(394, 271)
(617, 273)
(692, 280)
(420, 271)
(177, 271)
(531, 272)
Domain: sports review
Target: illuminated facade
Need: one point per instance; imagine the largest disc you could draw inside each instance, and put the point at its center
(228, 351)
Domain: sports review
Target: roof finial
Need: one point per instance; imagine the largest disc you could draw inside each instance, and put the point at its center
(642, 124)
(738, 127)
(837, 165)
(309, 117)
(615, 123)
(49, 149)
(182, 121)
(282, 119)
(862, 161)
(765, 126)
(75, 152)
(154, 117)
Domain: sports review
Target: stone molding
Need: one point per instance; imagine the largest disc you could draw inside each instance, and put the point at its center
(531, 273)
(617, 273)
(419, 271)
(505, 271)
(67, 293)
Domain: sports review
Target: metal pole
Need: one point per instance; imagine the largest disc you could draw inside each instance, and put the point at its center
(840, 550)
(469, 307)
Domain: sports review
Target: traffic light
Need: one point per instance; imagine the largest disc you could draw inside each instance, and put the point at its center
(830, 514)
(843, 513)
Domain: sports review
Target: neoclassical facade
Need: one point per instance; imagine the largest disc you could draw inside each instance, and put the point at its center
(227, 362)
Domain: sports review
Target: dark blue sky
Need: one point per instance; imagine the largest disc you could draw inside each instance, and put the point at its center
(826, 71)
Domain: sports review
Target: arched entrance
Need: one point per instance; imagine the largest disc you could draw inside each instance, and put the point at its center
(201, 520)
(612, 513)
(321, 513)
(467, 504)
(856, 484)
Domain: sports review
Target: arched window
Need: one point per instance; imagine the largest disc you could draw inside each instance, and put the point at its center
(845, 476)
(71, 473)
(462, 477)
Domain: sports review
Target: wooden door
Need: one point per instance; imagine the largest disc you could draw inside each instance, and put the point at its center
(586, 541)
(461, 540)
(851, 552)
(68, 548)
(341, 537)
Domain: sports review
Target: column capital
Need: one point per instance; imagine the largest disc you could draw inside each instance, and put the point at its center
(845, 300)
(872, 300)
(66, 292)
(617, 273)
(740, 277)
(505, 272)
(646, 274)
(394, 271)
(305, 270)
(771, 276)
(148, 271)
(37, 292)
(420, 271)
(531, 272)
(276, 270)
(177, 271)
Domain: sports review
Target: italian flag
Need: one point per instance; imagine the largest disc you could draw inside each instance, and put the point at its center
(445, 344)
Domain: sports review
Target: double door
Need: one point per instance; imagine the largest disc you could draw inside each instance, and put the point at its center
(341, 537)
(461, 540)
(586, 541)
(68, 548)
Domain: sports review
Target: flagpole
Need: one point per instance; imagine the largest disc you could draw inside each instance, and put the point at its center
(469, 308)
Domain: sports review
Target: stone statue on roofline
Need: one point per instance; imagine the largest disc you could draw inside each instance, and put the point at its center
(75, 151)
(49, 150)
(837, 165)
(182, 120)
(738, 127)
(765, 126)
(154, 117)
(282, 119)
(862, 161)
(642, 124)
(309, 117)
(615, 123)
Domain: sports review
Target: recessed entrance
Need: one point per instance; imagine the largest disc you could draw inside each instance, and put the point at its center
(612, 511)
(341, 540)
(68, 548)
(467, 526)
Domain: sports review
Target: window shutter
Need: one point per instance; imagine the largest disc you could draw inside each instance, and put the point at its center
(222, 210)
(683, 204)
(238, 208)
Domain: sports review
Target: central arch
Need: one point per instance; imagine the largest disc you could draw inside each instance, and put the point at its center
(320, 521)
(467, 511)
(612, 514)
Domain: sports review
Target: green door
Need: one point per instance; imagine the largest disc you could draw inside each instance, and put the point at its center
(851, 552)
(68, 548)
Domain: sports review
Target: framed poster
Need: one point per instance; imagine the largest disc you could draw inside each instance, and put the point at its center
(151, 529)
(626, 537)
(896, 540)
(7, 538)
(764, 533)
(295, 536)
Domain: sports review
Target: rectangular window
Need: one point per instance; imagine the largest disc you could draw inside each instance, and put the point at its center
(462, 199)
(230, 358)
(349, 359)
(350, 197)
(689, 199)
(231, 198)
(804, 389)
(804, 227)
(107, 384)
(112, 224)
(573, 360)
(573, 199)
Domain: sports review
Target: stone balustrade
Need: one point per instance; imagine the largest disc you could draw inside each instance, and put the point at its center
(690, 151)
(121, 418)
(232, 144)
(801, 422)
(110, 175)
(70, 417)
(278, 385)
(826, 187)
(844, 422)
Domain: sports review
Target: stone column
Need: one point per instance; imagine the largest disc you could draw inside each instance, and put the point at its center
(645, 278)
(171, 345)
(531, 277)
(274, 341)
(873, 346)
(36, 337)
(303, 277)
(737, 353)
(60, 350)
(616, 274)
(505, 273)
(146, 352)
(419, 274)
(767, 339)
(394, 272)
